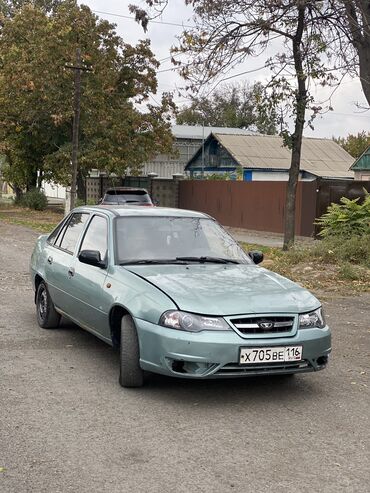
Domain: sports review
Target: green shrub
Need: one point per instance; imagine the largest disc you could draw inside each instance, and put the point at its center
(35, 199)
(17, 200)
(347, 219)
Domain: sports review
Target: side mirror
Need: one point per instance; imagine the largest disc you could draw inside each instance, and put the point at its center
(91, 257)
(256, 256)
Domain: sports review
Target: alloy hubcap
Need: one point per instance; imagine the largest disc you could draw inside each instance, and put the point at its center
(43, 304)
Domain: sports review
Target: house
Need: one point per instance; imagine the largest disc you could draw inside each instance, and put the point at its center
(263, 157)
(361, 167)
(188, 139)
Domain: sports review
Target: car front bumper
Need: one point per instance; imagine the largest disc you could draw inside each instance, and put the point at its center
(212, 354)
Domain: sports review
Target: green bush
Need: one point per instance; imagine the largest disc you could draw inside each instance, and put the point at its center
(35, 199)
(347, 219)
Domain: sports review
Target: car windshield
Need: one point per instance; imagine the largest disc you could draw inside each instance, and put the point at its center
(175, 240)
(126, 197)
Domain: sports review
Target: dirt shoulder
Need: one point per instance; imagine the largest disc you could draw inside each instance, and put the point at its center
(41, 221)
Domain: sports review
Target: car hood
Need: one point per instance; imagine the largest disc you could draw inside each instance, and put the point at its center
(215, 289)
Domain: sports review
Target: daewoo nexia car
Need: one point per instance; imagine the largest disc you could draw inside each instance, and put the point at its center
(176, 294)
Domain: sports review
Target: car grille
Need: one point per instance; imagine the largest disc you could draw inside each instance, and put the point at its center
(263, 325)
(233, 369)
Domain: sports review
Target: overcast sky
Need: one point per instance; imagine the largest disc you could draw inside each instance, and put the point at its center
(346, 117)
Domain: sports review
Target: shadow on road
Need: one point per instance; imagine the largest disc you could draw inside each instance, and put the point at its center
(220, 393)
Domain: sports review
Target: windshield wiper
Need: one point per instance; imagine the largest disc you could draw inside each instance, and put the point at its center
(153, 262)
(215, 260)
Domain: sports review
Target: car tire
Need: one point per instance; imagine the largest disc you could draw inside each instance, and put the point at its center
(131, 375)
(47, 316)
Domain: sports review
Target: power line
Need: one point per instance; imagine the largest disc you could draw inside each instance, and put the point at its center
(356, 115)
(133, 19)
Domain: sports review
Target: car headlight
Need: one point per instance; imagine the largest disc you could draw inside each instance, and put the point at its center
(191, 322)
(312, 320)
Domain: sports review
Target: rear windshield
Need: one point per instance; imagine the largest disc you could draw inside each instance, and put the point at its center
(127, 197)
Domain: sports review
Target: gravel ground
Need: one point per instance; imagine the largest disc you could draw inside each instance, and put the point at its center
(67, 426)
(265, 238)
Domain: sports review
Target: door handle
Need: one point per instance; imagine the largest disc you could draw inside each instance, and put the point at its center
(71, 272)
(50, 260)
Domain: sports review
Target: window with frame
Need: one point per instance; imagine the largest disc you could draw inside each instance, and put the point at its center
(54, 234)
(96, 236)
(68, 238)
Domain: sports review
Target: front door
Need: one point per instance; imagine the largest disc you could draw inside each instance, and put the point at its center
(91, 305)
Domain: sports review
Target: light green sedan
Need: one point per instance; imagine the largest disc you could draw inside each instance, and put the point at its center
(177, 295)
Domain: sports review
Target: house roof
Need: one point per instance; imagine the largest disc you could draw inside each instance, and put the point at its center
(321, 157)
(196, 131)
(363, 162)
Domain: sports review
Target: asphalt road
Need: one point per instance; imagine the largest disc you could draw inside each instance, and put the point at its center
(67, 426)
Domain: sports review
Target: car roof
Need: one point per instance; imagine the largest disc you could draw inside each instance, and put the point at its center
(125, 189)
(128, 210)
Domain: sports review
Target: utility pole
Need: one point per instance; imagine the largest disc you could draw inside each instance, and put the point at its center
(203, 150)
(78, 68)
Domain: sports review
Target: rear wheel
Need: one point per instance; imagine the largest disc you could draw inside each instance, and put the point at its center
(47, 316)
(131, 375)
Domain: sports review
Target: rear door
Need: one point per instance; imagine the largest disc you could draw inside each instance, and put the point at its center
(60, 259)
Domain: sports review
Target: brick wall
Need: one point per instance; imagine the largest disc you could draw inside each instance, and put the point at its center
(165, 191)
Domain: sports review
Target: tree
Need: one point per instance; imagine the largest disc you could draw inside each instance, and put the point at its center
(355, 145)
(36, 96)
(232, 105)
(353, 23)
(229, 32)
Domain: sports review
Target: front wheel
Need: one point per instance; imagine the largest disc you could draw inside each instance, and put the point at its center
(131, 375)
(47, 316)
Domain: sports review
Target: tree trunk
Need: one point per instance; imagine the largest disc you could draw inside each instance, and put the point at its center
(81, 186)
(291, 192)
(39, 179)
(18, 193)
(301, 102)
(364, 58)
(357, 14)
(32, 180)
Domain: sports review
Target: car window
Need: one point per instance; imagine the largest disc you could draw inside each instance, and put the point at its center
(96, 236)
(54, 234)
(68, 238)
(150, 237)
(128, 196)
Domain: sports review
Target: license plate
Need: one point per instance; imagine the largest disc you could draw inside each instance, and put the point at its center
(275, 354)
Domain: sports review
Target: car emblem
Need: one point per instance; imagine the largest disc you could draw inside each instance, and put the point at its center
(266, 325)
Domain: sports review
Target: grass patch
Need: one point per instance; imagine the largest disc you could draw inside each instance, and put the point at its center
(41, 221)
(330, 265)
